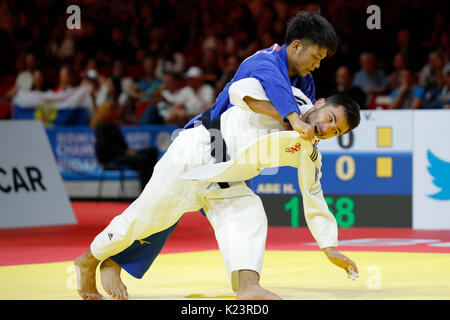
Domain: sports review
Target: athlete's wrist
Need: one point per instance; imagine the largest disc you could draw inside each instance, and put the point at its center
(329, 250)
(295, 120)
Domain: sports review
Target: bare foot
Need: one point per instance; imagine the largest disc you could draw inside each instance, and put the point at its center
(256, 293)
(113, 285)
(250, 289)
(86, 266)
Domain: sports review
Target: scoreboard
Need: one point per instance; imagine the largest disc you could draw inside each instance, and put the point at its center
(366, 176)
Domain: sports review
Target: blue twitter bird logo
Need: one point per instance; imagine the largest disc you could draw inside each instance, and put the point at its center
(440, 171)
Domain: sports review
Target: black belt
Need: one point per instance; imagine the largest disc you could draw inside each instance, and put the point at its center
(218, 145)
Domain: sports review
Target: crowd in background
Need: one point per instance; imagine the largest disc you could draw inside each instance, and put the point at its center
(166, 61)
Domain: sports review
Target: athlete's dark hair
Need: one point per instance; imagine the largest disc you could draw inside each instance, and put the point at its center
(312, 27)
(351, 108)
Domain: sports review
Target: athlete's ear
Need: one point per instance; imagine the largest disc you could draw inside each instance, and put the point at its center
(297, 45)
(319, 103)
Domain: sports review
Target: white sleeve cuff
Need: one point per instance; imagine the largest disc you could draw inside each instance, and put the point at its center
(240, 89)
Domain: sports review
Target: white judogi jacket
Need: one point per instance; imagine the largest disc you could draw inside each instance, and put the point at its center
(255, 141)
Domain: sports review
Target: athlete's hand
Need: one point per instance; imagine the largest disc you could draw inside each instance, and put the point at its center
(342, 261)
(306, 131)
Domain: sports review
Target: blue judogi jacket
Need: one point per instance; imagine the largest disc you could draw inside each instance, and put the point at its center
(270, 67)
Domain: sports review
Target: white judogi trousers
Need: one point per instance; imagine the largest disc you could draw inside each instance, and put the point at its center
(236, 213)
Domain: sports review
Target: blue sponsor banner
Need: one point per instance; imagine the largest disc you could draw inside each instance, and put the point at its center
(51, 115)
(347, 173)
(74, 148)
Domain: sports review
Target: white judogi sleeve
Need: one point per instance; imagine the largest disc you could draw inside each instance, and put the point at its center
(251, 87)
(240, 89)
(320, 221)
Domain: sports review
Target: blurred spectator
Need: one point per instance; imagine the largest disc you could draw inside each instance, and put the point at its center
(408, 95)
(140, 55)
(210, 65)
(266, 18)
(369, 78)
(144, 20)
(344, 82)
(125, 83)
(266, 40)
(120, 48)
(65, 79)
(6, 17)
(109, 107)
(117, 74)
(163, 110)
(203, 92)
(62, 44)
(39, 83)
(400, 62)
(91, 64)
(169, 61)
(35, 44)
(439, 97)
(210, 40)
(24, 80)
(444, 46)
(103, 90)
(242, 16)
(439, 26)
(79, 61)
(312, 6)
(430, 76)
(148, 83)
(192, 99)
(88, 43)
(406, 47)
(90, 78)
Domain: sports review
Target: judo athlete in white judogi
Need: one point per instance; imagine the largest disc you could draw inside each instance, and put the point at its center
(197, 172)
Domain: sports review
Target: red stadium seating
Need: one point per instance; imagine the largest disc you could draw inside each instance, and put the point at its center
(5, 110)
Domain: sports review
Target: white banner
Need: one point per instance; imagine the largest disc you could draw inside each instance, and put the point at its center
(431, 169)
(31, 189)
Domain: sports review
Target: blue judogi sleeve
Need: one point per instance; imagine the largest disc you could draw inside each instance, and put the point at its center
(277, 88)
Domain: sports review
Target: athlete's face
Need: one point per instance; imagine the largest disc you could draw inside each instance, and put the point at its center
(304, 57)
(327, 121)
